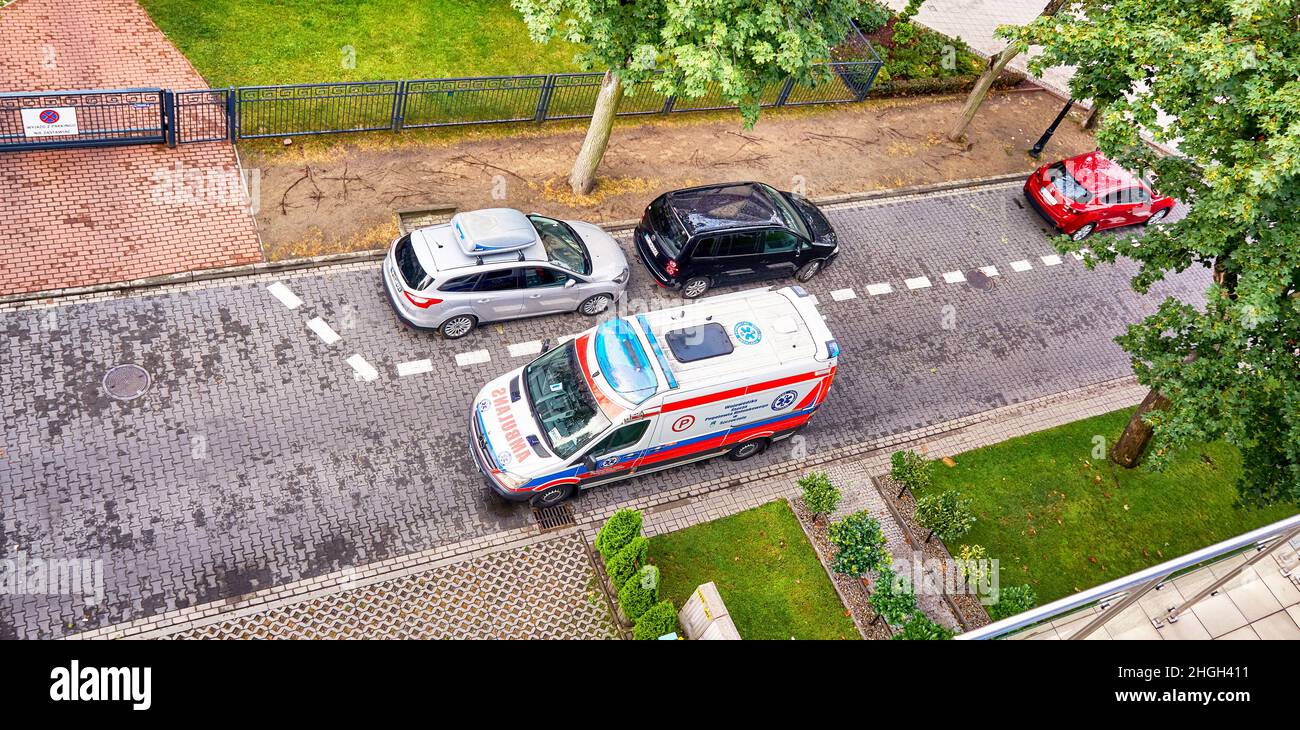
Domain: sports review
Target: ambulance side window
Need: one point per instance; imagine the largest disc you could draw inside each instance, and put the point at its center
(622, 438)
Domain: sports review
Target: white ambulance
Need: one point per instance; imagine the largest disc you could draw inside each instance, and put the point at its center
(725, 375)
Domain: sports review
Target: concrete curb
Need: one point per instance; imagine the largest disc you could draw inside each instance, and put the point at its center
(315, 262)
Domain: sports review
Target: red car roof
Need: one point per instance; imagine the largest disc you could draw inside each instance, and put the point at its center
(1099, 175)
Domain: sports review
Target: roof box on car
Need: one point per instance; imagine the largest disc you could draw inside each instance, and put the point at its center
(495, 230)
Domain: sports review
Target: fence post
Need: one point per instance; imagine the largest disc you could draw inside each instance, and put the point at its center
(785, 91)
(668, 105)
(544, 100)
(231, 121)
(399, 105)
(169, 116)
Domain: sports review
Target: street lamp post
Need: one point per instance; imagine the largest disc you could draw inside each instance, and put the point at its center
(1042, 141)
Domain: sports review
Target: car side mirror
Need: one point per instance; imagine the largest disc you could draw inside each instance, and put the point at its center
(589, 462)
(569, 283)
(546, 345)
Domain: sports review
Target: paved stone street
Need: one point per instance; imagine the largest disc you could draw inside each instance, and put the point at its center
(257, 458)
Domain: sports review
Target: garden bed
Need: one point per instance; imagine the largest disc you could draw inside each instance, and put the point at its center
(854, 592)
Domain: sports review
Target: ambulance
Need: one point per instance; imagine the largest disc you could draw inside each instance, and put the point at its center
(726, 375)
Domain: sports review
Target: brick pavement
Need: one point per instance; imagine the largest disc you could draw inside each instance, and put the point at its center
(256, 459)
(90, 216)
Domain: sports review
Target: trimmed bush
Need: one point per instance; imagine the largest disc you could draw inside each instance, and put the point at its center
(892, 598)
(618, 531)
(625, 563)
(1013, 600)
(819, 495)
(658, 620)
(639, 594)
(861, 545)
(921, 628)
(909, 471)
(972, 562)
(946, 515)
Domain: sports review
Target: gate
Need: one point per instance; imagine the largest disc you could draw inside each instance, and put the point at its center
(60, 119)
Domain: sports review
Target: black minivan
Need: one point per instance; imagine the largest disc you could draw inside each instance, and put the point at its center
(698, 238)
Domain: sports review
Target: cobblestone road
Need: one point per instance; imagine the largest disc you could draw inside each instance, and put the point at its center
(257, 458)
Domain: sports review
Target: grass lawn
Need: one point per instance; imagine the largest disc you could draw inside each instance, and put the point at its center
(255, 42)
(766, 571)
(1062, 521)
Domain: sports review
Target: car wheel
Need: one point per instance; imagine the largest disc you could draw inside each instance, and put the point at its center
(695, 287)
(1083, 231)
(552, 496)
(458, 326)
(594, 305)
(1157, 216)
(808, 271)
(745, 450)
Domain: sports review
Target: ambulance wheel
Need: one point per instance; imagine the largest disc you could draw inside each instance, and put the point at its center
(743, 451)
(695, 287)
(552, 496)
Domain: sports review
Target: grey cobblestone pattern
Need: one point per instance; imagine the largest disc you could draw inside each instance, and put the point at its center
(256, 459)
(542, 591)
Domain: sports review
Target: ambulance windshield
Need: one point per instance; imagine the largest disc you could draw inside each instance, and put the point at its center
(565, 408)
(623, 361)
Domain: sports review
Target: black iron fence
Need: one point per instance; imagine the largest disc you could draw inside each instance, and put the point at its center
(145, 116)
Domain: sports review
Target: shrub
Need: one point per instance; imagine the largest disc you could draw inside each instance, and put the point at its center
(625, 562)
(861, 545)
(892, 598)
(909, 471)
(1013, 600)
(872, 16)
(972, 561)
(618, 531)
(819, 495)
(946, 515)
(639, 594)
(921, 628)
(658, 620)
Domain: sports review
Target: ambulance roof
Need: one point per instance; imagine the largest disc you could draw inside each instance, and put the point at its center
(730, 337)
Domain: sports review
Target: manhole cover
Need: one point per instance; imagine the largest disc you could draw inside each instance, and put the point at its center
(554, 518)
(979, 280)
(125, 382)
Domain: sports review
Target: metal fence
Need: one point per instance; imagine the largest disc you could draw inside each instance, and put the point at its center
(101, 118)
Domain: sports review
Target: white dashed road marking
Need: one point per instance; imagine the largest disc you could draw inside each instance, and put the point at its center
(1052, 260)
(524, 349)
(989, 271)
(473, 358)
(920, 282)
(414, 367)
(286, 297)
(954, 277)
(323, 331)
(364, 370)
(1021, 265)
(876, 290)
(841, 295)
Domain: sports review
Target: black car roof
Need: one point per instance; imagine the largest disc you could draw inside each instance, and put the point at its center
(723, 207)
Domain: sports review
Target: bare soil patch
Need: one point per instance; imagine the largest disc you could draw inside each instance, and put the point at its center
(329, 195)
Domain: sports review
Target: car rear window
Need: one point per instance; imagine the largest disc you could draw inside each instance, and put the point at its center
(670, 234)
(1063, 181)
(408, 264)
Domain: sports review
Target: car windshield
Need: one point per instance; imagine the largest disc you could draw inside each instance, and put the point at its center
(563, 247)
(623, 361)
(563, 405)
(792, 219)
(1065, 182)
(670, 234)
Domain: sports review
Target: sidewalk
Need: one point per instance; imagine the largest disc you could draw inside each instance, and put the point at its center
(88, 216)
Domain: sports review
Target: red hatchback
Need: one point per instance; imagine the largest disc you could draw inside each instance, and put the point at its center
(1089, 193)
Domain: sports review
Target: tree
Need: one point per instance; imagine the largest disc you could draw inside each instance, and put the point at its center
(921, 628)
(682, 47)
(973, 563)
(892, 598)
(946, 515)
(909, 471)
(640, 593)
(997, 63)
(1221, 78)
(860, 543)
(618, 530)
(819, 495)
(658, 620)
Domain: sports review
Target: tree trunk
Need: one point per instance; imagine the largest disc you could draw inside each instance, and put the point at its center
(1094, 116)
(927, 537)
(1128, 449)
(583, 177)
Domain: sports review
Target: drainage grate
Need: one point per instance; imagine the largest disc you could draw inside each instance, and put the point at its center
(125, 382)
(554, 518)
(979, 280)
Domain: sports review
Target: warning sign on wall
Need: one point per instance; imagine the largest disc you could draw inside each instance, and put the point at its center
(57, 121)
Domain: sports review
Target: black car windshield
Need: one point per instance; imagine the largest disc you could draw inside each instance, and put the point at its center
(563, 405)
(1062, 180)
(563, 247)
(792, 218)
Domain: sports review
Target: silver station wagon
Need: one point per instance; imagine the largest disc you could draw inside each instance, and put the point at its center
(497, 264)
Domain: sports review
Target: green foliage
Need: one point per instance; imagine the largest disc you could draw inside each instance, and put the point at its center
(627, 561)
(819, 495)
(1222, 79)
(872, 16)
(681, 47)
(972, 561)
(908, 469)
(921, 628)
(657, 620)
(1013, 600)
(639, 594)
(618, 531)
(892, 597)
(861, 545)
(945, 514)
